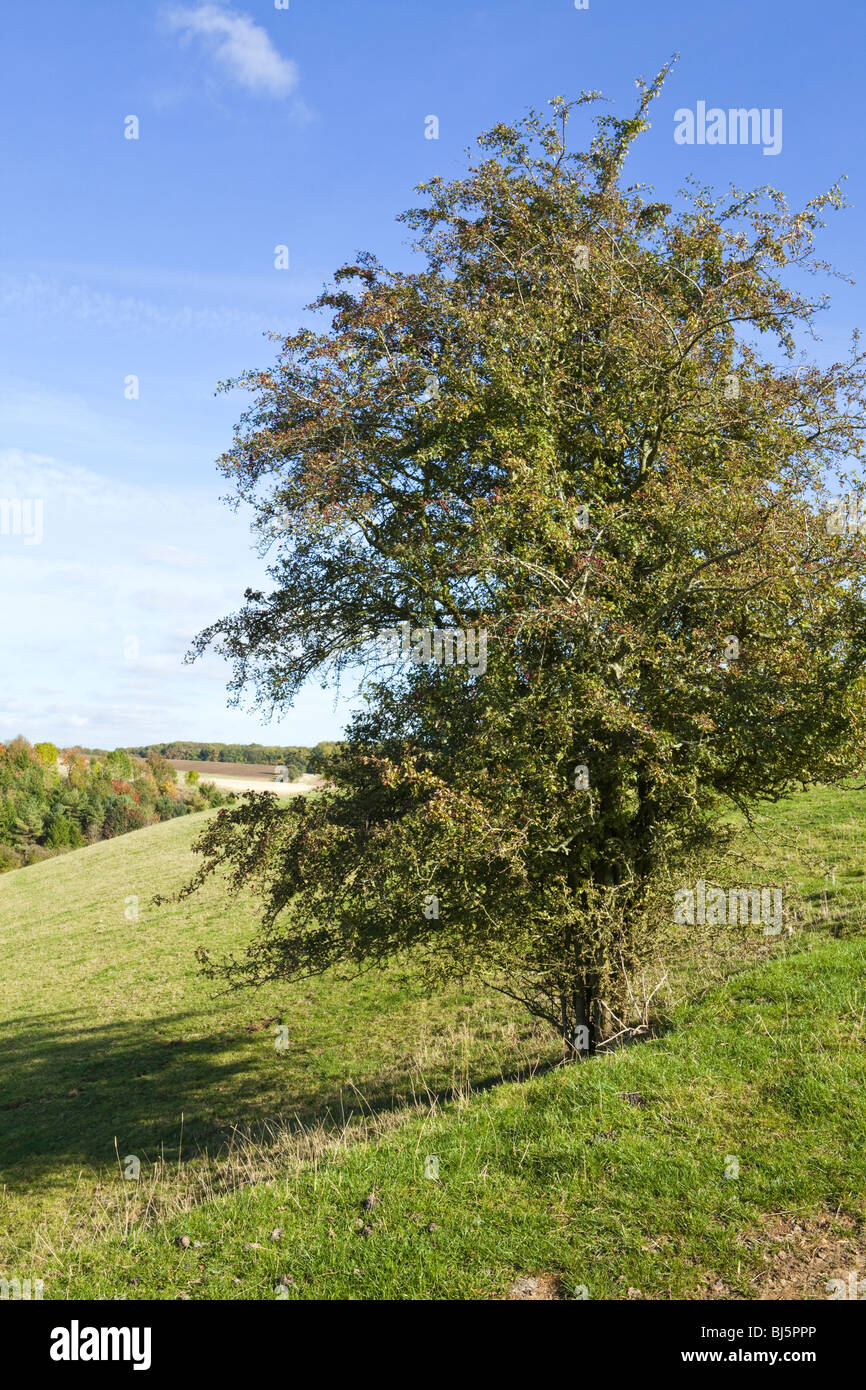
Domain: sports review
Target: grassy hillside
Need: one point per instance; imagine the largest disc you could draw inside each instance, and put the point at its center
(614, 1177)
(110, 1045)
(107, 1033)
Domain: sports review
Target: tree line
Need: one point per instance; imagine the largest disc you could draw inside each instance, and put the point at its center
(297, 759)
(43, 812)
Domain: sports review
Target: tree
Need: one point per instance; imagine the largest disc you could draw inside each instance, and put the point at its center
(19, 752)
(320, 754)
(119, 765)
(63, 832)
(162, 773)
(28, 823)
(563, 435)
(77, 768)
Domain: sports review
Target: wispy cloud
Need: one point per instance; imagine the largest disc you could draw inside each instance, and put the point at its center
(239, 45)
(49, 299)
(112, 596)
(98, 616)
(173, 556)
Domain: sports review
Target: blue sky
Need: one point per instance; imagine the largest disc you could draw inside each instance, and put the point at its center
(154, 258)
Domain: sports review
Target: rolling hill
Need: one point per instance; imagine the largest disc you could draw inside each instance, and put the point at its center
(612, 1176)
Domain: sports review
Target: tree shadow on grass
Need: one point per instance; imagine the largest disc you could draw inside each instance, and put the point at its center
(70, 1090)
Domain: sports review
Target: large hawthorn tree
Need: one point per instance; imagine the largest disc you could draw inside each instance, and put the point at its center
(577, 427)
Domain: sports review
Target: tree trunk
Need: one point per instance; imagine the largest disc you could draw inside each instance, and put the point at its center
(578, 1033)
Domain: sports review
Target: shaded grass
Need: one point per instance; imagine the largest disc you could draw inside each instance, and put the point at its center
(611, 1175)
(108, 1034)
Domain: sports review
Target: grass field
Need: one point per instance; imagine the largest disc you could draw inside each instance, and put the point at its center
(111, 1046)
(607, 1178)
(108, 1034)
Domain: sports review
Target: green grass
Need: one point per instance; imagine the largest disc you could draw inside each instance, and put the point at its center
(109, 1036)
(817, 839)
(562, 1174)
(107, 1032)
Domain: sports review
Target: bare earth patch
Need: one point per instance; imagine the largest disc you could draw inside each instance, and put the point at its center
(801, 1255)
(535, 1288)
(233, 778)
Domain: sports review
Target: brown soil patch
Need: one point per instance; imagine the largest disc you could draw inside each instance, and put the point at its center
(801, 1255)
(534, 1288)
(246, 777)
(251, 772)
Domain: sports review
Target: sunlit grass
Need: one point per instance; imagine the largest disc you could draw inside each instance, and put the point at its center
(113, 1047)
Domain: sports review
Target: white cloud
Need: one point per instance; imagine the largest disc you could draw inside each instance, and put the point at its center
(50, 298)
(218, 287)
(173, 556)
(240, 45)
(98, 617)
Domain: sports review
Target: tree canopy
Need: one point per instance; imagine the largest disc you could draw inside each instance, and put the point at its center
(578, 430)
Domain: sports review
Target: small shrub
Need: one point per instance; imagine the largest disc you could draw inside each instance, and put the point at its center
(9, 859)
(35, 854)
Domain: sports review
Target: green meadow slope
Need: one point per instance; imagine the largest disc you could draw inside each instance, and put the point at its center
(107, 1033)
(613, 1176)
(712, 1162)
